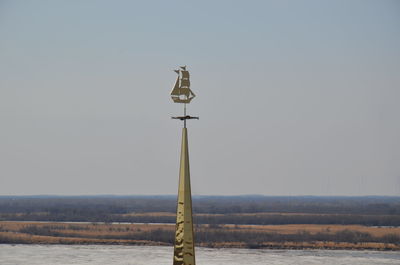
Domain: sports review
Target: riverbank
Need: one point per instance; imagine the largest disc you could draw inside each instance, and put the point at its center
(348, 237)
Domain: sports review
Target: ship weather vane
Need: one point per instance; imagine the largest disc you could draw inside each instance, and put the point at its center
(181, 92)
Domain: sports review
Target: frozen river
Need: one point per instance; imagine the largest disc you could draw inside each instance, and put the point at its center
(148, 255)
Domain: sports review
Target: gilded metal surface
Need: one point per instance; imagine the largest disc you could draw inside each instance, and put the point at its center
(184, 239)
(181, 92)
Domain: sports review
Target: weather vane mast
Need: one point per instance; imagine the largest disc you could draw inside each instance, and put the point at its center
(181, 92)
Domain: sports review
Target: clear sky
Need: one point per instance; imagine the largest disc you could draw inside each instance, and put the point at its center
(294, 97)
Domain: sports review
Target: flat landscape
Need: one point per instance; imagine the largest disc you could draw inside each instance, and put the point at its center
(268, 236)
(323, 223)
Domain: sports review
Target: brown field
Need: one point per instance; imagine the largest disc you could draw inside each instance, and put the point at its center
(158, 214)
(100, 233)
(313, 229)
(149, 214)
(76, 233)
(162, 214)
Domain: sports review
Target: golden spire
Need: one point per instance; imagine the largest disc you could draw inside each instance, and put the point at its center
(184, 236)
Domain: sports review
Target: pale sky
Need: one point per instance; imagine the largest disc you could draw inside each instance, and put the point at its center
(294, 97)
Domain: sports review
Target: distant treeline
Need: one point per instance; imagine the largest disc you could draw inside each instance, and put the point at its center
(373, 211)
(204, 204)
(218, 235)
(270, 219)
(254, 239)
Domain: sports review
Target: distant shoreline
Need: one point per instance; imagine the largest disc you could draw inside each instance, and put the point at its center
(222, 236)
(359, 223)
(266, 245)
(256, 210)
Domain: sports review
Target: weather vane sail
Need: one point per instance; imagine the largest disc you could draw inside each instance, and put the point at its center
(181, 92)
